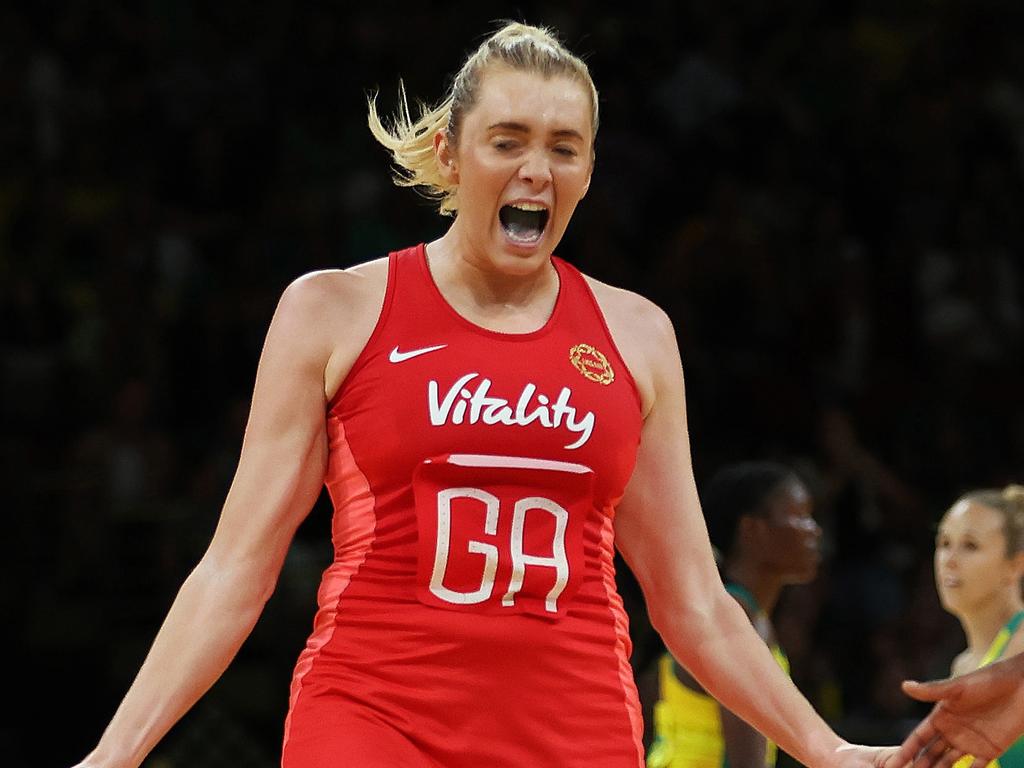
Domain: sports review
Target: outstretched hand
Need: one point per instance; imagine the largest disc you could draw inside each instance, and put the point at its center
(978, 714)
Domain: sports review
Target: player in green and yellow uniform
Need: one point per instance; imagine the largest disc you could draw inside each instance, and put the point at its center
(759, 518)
(979, 567)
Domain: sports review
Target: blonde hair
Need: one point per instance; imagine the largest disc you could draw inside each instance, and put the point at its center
(518, 46)
(1009, 502)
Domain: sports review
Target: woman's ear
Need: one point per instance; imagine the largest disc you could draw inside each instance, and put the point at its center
(444, 151)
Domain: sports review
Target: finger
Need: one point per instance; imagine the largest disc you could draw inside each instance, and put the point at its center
(930, 691)
(950, 756)
(914, 744)
(903, 757)
(932, 754)
(908, 750)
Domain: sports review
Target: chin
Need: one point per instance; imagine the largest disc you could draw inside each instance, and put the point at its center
(950, 605)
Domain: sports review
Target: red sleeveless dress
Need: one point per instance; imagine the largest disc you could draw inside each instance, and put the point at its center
(470, 617)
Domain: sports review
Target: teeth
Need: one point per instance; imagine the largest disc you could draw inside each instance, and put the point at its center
(524, 221)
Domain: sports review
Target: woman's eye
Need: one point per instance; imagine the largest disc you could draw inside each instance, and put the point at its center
(503, 145)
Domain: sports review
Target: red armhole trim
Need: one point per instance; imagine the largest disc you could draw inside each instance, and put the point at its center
(378, 329)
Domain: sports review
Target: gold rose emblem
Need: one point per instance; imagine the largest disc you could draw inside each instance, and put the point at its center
(591, 363)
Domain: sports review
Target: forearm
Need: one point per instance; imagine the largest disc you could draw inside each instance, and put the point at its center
(720, 648)
(213, 613)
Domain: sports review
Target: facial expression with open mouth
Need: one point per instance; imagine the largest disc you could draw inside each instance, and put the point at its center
(521, 162)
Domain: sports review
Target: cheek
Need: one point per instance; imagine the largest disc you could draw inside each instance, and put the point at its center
(1009, 571)
(480, 168)
(984, 572)
(572, 180)
(478, 188)
(580, 182)
(795, 541)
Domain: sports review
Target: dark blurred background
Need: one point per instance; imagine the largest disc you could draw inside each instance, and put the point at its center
(826, 197)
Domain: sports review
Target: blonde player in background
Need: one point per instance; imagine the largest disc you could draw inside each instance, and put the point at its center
(979, 568)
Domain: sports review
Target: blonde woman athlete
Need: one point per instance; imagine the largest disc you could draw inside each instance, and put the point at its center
(490, 423)
(979, 572)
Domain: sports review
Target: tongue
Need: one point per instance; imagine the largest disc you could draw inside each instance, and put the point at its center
(521, 225)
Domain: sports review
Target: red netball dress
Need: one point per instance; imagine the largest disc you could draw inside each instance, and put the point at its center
(470, 617)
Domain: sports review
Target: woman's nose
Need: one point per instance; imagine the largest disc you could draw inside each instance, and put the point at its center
(536, 169)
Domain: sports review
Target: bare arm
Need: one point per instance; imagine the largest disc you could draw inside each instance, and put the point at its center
(279, 476)
(660, 531)
(980, 713)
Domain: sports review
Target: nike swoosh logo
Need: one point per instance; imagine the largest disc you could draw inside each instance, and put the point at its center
(400, 357)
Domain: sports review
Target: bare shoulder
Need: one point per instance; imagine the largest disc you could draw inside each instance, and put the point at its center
(336, 291)
(628, 305)
(641, 330)
(334, 311)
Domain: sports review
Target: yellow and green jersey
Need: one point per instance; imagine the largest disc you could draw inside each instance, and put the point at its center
(688, 723)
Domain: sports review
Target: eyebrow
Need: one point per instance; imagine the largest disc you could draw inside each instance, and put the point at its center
(970, 533)
(523, 128)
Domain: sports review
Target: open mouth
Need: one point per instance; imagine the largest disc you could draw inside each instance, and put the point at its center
(523, 222)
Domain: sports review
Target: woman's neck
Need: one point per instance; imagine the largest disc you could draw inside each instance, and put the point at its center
(506, 293)
(983, 622)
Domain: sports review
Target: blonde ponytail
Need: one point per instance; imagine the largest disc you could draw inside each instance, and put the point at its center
(411, 144)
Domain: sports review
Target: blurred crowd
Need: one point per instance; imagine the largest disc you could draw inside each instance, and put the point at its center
(825, 197)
